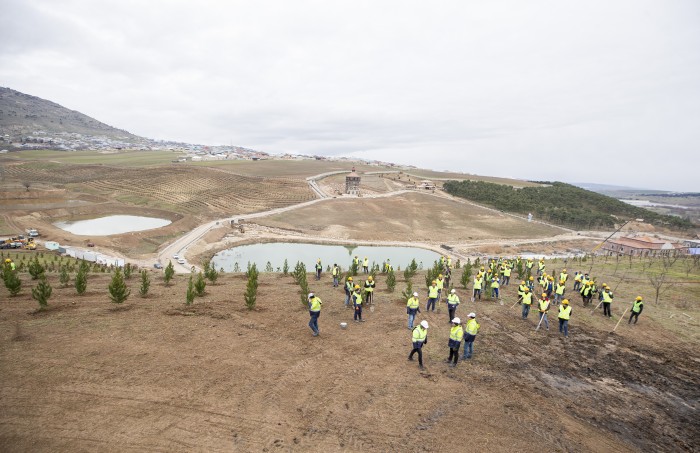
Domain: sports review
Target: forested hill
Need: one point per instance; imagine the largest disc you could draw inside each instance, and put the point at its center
(561, 204)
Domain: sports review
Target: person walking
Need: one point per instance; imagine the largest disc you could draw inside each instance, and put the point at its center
(455, 341)
(369, 289)
(348, 291)
(577, 281)
(314, 311)
(472, 328)
(607, 302)
(526, 300)
(636, 309)
(478, 281)
(521, 290)
(319, 268)
(365, 265)
(494, 288)
(420, 338)
(452, 303)
(432, 296)
(412, 308)
(336, 275)
(564, 315)
(506, 274)
(544, 308)
(357, 303)
(440, 285)
(559, 292)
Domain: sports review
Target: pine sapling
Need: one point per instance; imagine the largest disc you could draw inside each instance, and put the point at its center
(42, 293)
(145, 283)
(118, 291)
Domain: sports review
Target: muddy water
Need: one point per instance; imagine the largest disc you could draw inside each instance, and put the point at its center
(277, 252)
(114, 224)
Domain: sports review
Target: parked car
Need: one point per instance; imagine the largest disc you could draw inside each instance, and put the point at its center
(181, 261)
(158, 266)
(176, 256)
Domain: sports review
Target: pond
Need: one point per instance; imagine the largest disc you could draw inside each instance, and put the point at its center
(277, 252)
(113, 224)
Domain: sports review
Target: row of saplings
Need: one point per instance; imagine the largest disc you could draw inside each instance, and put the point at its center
(119, 292)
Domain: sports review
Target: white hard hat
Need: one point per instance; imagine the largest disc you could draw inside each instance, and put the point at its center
(415, 294)
(453, 291)
(472, 315)
(311, 295)
(424, 324)
(457, 321)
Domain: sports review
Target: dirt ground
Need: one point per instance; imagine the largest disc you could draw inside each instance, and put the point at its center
(155, 375)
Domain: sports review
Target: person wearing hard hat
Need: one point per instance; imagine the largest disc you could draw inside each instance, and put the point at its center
(365, 265)
(521, 290)
(315, 311)
(506, 274)
(526, 300)
(440, 280)
(578, 277)
(369, 289)
(356, 261)
(563, 276)
(636, 309)
(531, 284)
(336, 275)
(564, 315)
(412, 308)
(419, 337)
(9, 264)
(470, 331)
(544, 308)
(494, 288)
(478, 282)
(452, 303)
(455, 341)
(432, 296)
(607, 302)
(349, 286)
(357, 303)
(319, 268)
(586, 292)
(559, 292)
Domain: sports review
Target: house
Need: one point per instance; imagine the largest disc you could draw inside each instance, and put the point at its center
(643, 246)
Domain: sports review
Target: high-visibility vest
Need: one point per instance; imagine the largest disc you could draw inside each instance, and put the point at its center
(449, 262)
(335, 271)
(348, 286)
(355, 261)
(365, 262)
(315, 304)
(358, 298)
(419, 334)
(560, 289)
(369, 286)
(606, 297)
(637, 306)
(319, 266)
(506, 272)
(541, 265)
(453, 299)
(440, 283)
(527, 298)
(578, 278)
(544, 305)
(477, 283)
(432, 291)
(495, 284)
(521, 290)
(564, 312)
(413, 303)
(529, 264)
(456, 333)
(563, 276)
(472, 326)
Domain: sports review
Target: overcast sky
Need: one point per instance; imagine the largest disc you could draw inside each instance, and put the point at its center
(581, 91)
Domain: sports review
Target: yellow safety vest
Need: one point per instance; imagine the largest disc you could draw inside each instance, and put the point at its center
(369, 286)
(440, 283)
(507, 272)
(335, 271)
(419, 334)
(564, 312)
(472, 327)
(358, 298)
(606, 297)
(453, 299)
(456, 333)
(477, 283)
(432, 292)
(563, 276)
(544, 305)
(315, 304)
(495, 284)
(413, 303)
(637, 306)
(527, 298)
(560, 289)
(365, 262)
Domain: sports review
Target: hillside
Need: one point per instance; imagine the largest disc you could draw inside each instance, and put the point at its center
(23, 115)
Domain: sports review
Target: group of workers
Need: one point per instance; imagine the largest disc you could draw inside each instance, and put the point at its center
(495, 273)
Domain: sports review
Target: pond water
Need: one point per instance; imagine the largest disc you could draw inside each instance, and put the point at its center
(277, 252)
(113, 224)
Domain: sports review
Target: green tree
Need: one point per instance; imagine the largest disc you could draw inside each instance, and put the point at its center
(211, 273)
(12, 282)
(118, 291)
(36, 270)
(128, 269)
(408, 292)
(268, 267)
(145, 283)
(285, 267)
(251, 290)
(391, 281)
(200, 285)
(42, 293)
(81, 280)
(64, 277)
(190, 294)
(466, 274)
(168, 273)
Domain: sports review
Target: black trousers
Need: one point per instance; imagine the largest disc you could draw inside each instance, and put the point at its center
(452, 309)
(606, 309)
(635, 316)
(454, 355)
(420, 355)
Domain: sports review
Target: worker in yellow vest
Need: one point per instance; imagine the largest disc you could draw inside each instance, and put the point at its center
(564, 316)
(526, 300)
(419, 338)
(578, 277)
(541, 267)
(455, 341)
(494, 288)
(521, 290)
(432, 296)
(544, 308)
(369, 289)
(506, 275)
(472, 328)
(412, 308)
(559, 292)
(607, 302)
(319, 268)
(356, 261)
(336, 275)
(314, 312)
(478, 282)
(357, 303)
(440, 285)
(563, 276)
(349, 286)
(636, 309)
(452, 303)
(365, 265)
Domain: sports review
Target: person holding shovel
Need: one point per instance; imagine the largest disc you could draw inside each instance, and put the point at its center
(314, 311)
(544, 308)
(636, 309)
(564, 315)
(526, 300)
(357, 303)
